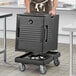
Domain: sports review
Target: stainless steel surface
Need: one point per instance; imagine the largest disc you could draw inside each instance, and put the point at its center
(4, 15)
(64, 5)
(70, 29)
(1, 51)
(5, 39)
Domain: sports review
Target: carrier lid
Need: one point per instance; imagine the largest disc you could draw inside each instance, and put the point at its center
(34, 14)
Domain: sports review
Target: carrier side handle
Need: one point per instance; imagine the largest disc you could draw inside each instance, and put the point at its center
(46, 33)
(18, 31)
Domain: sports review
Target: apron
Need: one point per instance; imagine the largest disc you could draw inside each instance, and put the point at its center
(40, 6)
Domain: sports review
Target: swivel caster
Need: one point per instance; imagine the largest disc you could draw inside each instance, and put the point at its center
(43, 69)
(56, 62)
(22, 67)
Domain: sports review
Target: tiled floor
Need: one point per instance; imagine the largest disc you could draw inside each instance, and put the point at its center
(11, 68)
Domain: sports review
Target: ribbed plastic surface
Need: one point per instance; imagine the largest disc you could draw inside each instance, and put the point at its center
(36, 33)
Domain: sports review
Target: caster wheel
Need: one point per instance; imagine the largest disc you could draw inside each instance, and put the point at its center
(56, 62)
(22, 67)
(43, 69)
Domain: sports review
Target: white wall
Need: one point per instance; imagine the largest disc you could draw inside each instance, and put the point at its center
(20, 1)
(7, 0)
(66, 1)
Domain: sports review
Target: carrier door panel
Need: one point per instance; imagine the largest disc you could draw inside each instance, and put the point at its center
(30, 34)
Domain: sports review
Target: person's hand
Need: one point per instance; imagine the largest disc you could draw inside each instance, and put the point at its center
(52, 12)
